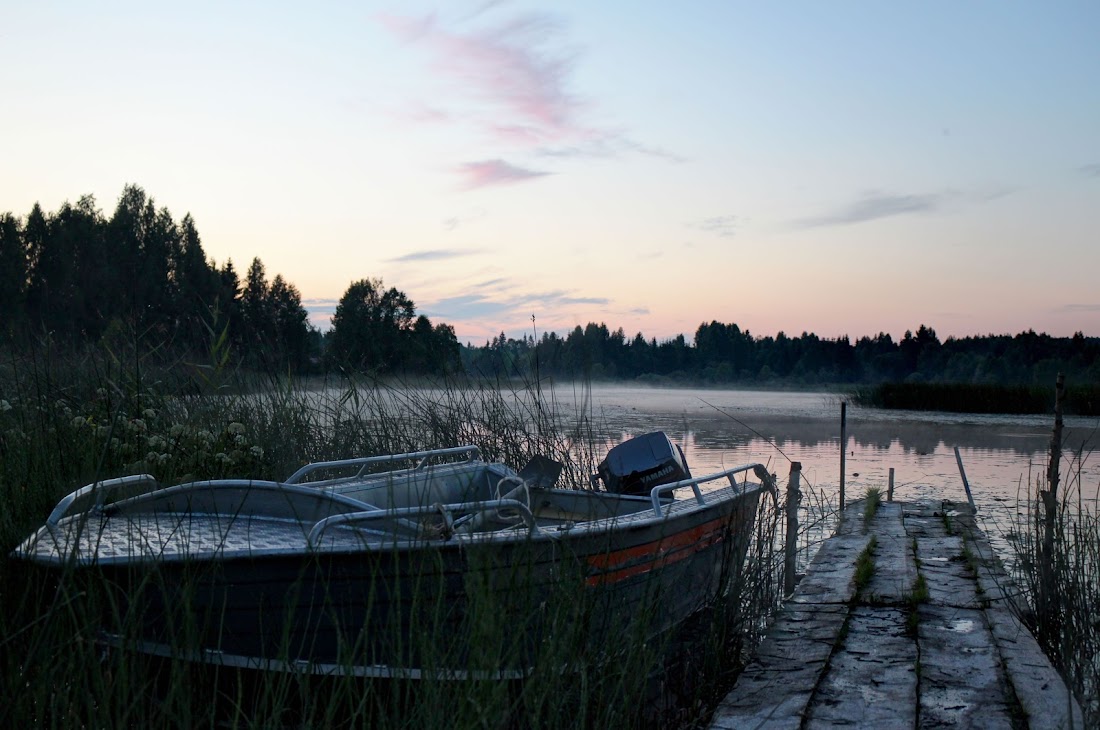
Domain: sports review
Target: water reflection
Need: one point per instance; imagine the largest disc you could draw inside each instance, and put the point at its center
(1003, 456)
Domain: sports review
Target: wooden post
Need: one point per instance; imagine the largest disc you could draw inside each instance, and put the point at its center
(966, 484)
(1046, 602)
(843, 447)
(1050, 495)
(890, 488)
(790, 556)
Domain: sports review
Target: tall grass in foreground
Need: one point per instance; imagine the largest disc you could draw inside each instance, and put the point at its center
(1064, 613)
(68, 422)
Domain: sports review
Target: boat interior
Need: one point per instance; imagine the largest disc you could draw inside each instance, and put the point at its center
(426, 501)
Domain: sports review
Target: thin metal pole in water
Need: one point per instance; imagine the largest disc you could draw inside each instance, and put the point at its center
(790, 555)
(966, 484)
(890, 488)
(843, 446)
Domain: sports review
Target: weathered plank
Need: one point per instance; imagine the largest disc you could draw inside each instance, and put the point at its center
(962, 657)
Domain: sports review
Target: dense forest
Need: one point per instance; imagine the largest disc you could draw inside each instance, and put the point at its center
(76, 277)
(723, 353)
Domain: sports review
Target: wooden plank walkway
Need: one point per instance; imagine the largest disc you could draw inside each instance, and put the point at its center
(884, 656)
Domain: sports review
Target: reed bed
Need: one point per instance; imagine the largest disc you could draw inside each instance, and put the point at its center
(1063, 600)
(65, 422)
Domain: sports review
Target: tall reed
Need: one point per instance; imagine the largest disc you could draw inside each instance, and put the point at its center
(1064, 596)
(65, 422)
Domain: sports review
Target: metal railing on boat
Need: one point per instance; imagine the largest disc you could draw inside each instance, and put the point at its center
(758, 469)
(471, 452)
(97, 491)
(446, 510)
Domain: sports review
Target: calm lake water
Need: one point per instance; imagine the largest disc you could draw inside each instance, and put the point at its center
(722, 428)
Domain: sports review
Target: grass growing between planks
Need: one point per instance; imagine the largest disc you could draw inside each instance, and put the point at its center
(872, 500)
(66, 422)
(865, 565)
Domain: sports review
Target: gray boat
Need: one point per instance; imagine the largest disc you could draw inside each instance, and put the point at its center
(434, 563)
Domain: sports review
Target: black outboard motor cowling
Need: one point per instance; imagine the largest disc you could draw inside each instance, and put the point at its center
(643, 462)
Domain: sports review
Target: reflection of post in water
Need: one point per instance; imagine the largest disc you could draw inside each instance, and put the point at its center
(843, 447)
(790, 553)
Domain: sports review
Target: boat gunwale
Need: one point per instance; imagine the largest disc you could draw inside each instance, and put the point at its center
(664, 509)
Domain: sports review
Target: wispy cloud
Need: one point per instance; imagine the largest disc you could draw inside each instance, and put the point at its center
(494, 172)
(512, 81)
(423, 114)
(1079, 308)
(436, 254)
(601, 301)
(458, 220)
(482, 305)
(320, 311)
(467, 306)
(608, 145)
(722, 225)
(875, 206)
(1090, 170)
(519, 68)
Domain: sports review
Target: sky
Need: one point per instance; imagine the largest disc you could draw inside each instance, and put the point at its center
(842, 168)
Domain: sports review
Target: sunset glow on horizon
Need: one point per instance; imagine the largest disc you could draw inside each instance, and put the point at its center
(836, 168)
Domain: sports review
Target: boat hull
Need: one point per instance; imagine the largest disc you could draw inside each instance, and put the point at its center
(458, 608)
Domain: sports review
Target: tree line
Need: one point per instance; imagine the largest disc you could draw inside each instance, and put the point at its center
(725, 354)
(78, 277)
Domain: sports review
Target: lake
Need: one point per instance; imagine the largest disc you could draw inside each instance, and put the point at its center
(717, 429)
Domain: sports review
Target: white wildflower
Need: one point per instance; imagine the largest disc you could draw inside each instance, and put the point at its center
(4, 405)
(235, 427)
(78, 421)
(221, 456)
(176, 430)
(149, 413)
(257, 452)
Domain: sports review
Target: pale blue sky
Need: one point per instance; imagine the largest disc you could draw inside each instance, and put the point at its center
(842, 168)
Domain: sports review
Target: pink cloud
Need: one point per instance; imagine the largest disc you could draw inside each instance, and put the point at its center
(494, 172)
(509, 67)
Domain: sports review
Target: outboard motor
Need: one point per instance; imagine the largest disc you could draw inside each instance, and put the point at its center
(643, 462)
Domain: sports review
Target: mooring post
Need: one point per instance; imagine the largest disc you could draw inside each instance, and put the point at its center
(790, 555)
(843, 447)
(1049, 496)
(890, 488)
(966, 484)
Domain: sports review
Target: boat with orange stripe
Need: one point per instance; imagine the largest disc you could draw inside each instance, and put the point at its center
(345, 567)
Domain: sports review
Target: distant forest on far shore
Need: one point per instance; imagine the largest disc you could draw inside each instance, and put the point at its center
(78, 278)
(724, 353)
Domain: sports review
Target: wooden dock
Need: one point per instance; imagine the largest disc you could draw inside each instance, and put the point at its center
(932, 639)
